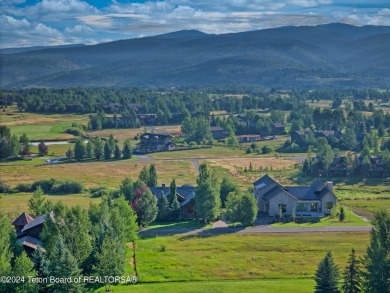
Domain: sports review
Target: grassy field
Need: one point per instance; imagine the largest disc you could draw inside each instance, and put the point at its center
(240, 257)
(38, 126)
(55, 150)
(178, 225)
(214, 152)
(350, 220)
(367, 207)
(95, 173)
(263, 286)
(18, 202)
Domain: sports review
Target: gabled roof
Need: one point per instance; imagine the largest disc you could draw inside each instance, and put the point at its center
(29, 241)
(216, 128)
(278, 125)
(23, 220)
(270, 188)
(186, 193)
(37, 221)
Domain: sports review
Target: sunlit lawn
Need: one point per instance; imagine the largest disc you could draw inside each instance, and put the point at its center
(18, 202)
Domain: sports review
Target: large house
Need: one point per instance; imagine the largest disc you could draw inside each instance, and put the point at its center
(154, 142)
(277, 128)
(315, 200)
(185, 196)
(218, 132)
(28, 230)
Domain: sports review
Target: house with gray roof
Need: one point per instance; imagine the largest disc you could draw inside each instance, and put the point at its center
(185, 196)
(28, 230)
(315, 200)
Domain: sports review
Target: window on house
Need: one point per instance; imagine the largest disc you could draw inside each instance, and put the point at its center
(283, 208)
(314, 206)
(329, 205)
(301, 207)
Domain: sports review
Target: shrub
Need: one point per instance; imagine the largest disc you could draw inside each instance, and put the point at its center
(23, 187)
(75, 131)
(163, 248)
(45, 184)
(100, 191)
(4, 188)
(267, 149)
(67, 187)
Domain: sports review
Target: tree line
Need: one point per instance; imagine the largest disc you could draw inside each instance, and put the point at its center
(371, 273)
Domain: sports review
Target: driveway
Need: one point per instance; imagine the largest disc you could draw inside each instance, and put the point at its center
(253, 230)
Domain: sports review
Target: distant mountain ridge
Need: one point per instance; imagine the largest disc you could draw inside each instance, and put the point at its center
(328, 55)
(35, 48)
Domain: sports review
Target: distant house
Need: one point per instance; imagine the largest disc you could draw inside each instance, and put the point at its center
(377, 169)
(185, 196)
(338, 167)
(28, 230)
(298, 136)
(218, 132)
(147, 119)
(154, 142)
(315, 200)
(277, 128)
(248, 138)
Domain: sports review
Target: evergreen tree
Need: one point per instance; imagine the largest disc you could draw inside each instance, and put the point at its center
(64, 265)
(172, 191)
(349, 138)
(98, 147)
(42, 267)
(144, 175)
(164, 210)
(152, 176)
(306, 167)
(117, 152)
(89, 150)
(342, 215)
(127, 152)
(327, 276)
(111, 144)
(352, 275)
(366, 166)
(24, 268)
(37, 203)
(147, 209)
(25, 145)
(69, 154)
(227, 186)
(175, 208)
(79, 149)
(107, 151)
(377, 261)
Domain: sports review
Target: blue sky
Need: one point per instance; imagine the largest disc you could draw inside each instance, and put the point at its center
(57, 22)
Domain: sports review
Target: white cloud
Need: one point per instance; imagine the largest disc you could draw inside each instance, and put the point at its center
(56, 10)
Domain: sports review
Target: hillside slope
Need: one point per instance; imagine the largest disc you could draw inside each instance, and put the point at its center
(286, 57)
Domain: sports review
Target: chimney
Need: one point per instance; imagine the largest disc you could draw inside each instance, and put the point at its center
(163, 186)
(329, 185)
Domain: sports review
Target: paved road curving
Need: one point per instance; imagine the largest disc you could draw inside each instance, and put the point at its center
(253, 230)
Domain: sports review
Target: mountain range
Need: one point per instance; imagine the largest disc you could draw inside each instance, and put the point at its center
(331, 55)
